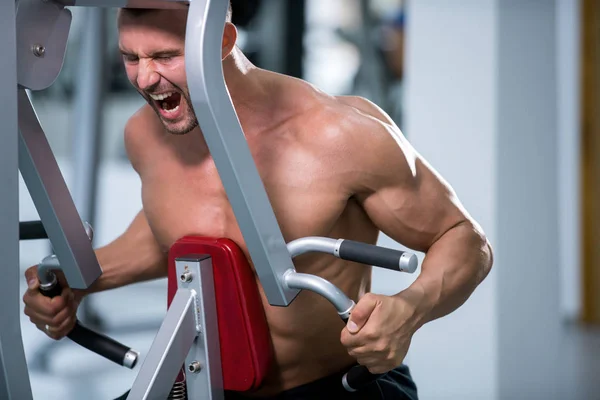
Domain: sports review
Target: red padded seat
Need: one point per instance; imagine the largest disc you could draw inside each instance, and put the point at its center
(246, 349)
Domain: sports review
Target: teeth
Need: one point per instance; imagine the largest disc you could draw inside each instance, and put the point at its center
(173, 110)
(159, 97)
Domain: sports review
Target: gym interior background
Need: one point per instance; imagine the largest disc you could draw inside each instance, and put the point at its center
(501, 97)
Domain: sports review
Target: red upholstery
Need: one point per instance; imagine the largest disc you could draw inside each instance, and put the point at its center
(246, 349)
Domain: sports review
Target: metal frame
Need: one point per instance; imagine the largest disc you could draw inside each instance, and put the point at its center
(189, 334)
(14, 377)
(190, 331)
(42, 29)
(229, 149)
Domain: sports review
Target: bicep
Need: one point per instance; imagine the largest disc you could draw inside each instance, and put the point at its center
(414, 214)
(403, 195)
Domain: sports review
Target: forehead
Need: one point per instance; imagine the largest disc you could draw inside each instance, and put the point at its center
(151, 26)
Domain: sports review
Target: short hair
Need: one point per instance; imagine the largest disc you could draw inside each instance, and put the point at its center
(136, 12)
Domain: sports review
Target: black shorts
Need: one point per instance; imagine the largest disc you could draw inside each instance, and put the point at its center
(396, 384)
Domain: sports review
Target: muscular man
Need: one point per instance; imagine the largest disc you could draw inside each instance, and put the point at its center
(332, 166)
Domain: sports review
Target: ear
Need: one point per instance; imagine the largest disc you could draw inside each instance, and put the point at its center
(230, 35)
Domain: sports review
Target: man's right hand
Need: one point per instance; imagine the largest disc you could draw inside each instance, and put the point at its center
(56, 316)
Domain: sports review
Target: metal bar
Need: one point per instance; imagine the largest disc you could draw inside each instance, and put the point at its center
(207, 382)
(87, 128)
(229, 149)
(168, 351)
(14, 377)
(87, 122)
(53, 201)
(314, 243)
(342, 303)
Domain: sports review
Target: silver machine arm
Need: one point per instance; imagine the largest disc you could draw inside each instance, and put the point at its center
(33, 37)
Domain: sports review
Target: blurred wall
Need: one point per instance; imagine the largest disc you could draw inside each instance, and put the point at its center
(451, 117)
(491, 96)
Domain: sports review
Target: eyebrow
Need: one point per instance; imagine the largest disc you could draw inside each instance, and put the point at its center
(155, 54)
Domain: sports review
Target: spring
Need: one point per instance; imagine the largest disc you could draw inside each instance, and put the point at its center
(178, 392)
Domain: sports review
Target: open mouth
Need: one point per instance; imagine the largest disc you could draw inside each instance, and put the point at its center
(167, 103)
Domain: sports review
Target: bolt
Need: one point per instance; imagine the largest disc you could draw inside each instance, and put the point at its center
(38, 50)
(186, 277)
(194, 367)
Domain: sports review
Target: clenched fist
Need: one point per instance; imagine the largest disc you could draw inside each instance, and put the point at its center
(56, 316)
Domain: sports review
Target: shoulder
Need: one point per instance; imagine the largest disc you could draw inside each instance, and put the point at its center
(353, 125)
(361, 142)
(351, 118)
(142, 120)
(139, 131)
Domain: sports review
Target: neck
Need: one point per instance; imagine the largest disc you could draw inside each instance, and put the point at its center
(243, 84)
(246, 89)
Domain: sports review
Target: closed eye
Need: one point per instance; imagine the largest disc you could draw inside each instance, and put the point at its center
(130, 58)
(163, 58)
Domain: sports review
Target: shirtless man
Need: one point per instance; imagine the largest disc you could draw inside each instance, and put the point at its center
(343, 169)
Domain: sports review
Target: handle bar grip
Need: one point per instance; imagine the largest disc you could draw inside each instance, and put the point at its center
(32, 230)
(103, 346)
(358, 377)
(94, 341)
(365, 253)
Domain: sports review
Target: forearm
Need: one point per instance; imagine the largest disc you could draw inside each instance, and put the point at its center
(133, 257)
(451, 271)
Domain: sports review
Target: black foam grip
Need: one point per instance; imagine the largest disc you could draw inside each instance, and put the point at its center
(93, 341)
(369, 254)
(99, 344)
(32, 230)
(359, 376)
(52, 291)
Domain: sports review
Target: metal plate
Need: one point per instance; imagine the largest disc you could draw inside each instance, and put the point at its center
(43, 24)
(207, 383)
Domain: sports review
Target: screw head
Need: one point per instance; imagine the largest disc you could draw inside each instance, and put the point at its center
(194, 367)
(186, 277)
(38, 50)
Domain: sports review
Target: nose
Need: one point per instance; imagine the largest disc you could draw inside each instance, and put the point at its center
(147, 76)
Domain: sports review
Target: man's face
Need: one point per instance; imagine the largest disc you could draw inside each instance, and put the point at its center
(153, 47)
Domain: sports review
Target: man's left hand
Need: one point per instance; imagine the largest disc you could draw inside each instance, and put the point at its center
(379, 331)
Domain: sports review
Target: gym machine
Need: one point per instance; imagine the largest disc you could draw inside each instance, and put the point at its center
(185, 359)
